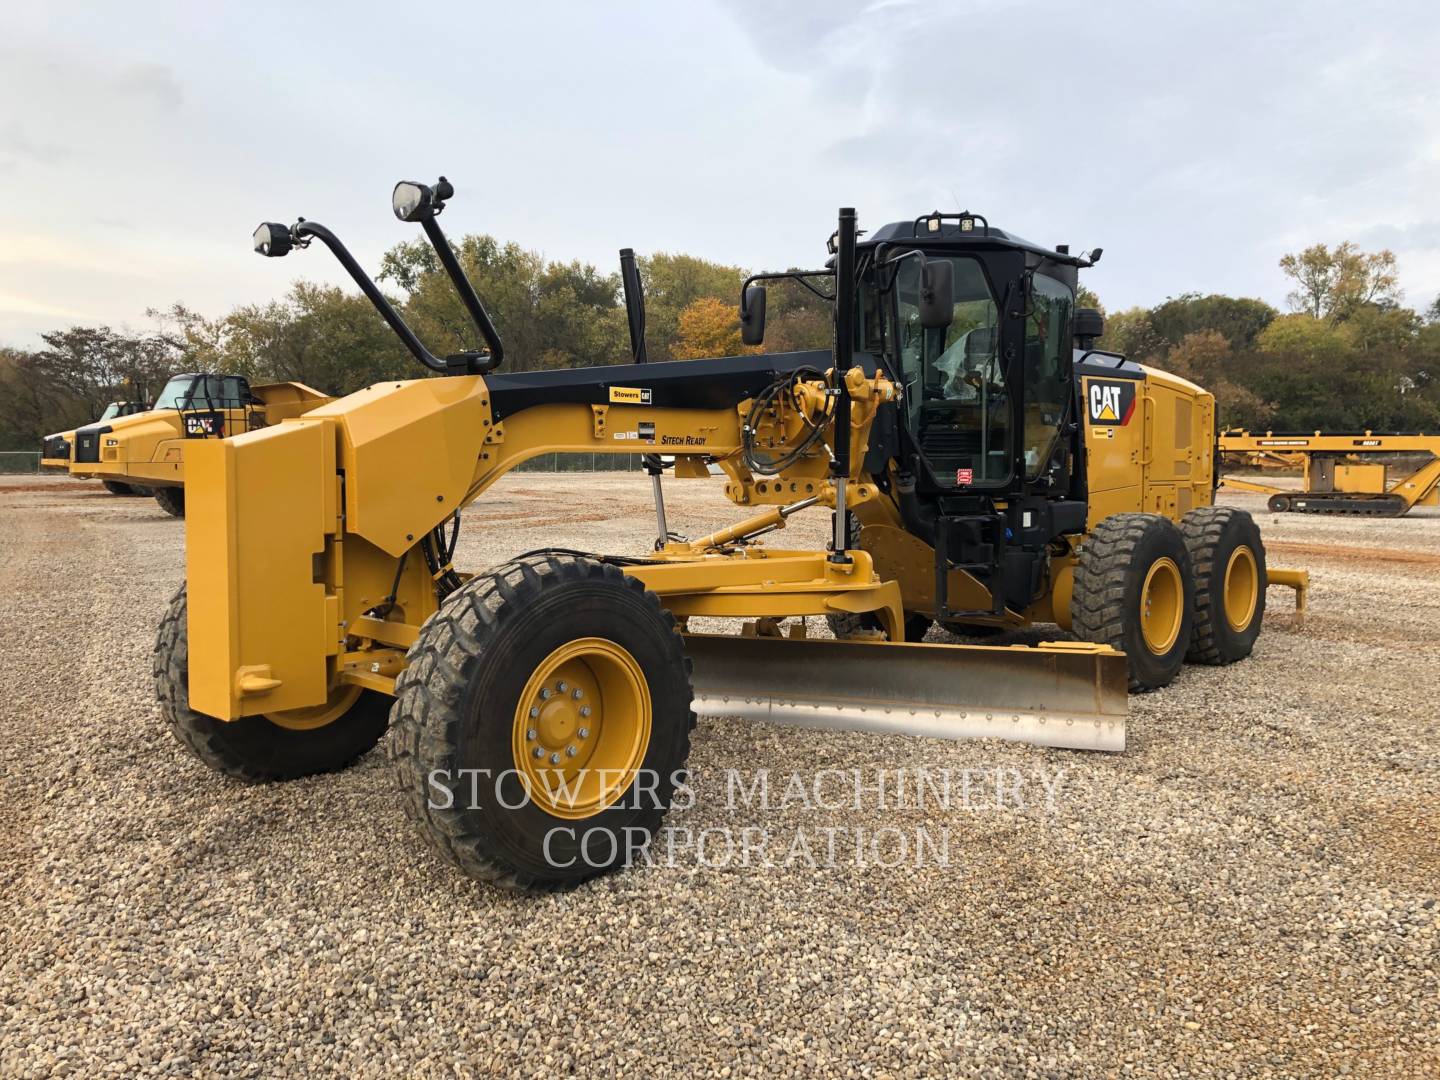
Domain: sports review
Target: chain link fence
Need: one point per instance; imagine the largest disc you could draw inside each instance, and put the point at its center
(19, 461)
(583, 463)
(28, 461)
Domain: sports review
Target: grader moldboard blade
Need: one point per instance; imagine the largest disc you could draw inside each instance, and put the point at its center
(1064, 694)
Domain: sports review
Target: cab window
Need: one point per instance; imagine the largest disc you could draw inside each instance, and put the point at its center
(221, 392)
(955, 391)
(1047, 369)
(176, 393)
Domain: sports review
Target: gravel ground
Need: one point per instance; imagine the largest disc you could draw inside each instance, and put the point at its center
(1249, 890)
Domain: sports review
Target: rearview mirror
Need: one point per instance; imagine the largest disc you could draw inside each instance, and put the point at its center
(1087, 325)
(937, 294)
(752, 316)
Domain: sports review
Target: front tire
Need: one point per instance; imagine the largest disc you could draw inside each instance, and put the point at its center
(171, 500)
(1135, 591)
(542, 722)
(281, 746)
(1229, 561)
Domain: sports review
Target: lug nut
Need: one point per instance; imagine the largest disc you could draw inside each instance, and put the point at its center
(531, 734)
(545, 693)
(584, 733)
(570, 751)
(539, 752)
(554, 759)
(534, 711)
(578, 693)
(561, 686)
(584, 710)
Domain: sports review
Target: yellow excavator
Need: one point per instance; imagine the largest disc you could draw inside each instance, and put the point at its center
(984, 466)
(141, 451)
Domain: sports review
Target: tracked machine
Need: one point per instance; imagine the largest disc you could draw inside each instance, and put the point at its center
(1342, 472)
(984, 468)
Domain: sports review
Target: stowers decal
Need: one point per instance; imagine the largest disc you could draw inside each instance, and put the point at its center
(1111, 401)
(629, 395)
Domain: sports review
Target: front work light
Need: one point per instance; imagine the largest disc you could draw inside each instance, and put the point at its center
(272, 240)
(411, 201)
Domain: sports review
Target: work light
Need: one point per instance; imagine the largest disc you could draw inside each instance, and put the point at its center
(411, 201)
(272, 240)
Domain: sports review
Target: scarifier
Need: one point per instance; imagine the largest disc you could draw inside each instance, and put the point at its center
(985, 467)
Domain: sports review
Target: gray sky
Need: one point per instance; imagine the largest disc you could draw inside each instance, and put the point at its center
(140, 143)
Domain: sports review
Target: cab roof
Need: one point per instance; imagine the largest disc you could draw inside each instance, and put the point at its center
(949, 234)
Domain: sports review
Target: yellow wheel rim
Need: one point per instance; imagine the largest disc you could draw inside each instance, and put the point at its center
(582, 727)
(317, 716)
(1242, 588)
(1162, 606)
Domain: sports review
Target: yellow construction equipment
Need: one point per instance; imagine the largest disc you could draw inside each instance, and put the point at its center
(984, 465)
(1337, 478)
(141, 451)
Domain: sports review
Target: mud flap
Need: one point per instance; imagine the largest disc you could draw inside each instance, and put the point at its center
(1065, 694)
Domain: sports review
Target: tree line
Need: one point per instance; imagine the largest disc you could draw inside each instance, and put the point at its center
(1348, 354)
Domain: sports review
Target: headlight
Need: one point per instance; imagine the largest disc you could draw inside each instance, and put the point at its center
(272, 240)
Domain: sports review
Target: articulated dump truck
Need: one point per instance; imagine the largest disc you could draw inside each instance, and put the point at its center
(983, 466)
(141, 451)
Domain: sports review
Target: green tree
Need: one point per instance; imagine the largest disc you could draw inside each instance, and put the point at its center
(673, 283)
(1238, 319)
(97, 365)
(547, 314)
(1332, 284)
(1131, 334)
(32, 404)
(1085, 298)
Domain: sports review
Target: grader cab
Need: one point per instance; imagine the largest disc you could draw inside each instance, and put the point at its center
(984, 467)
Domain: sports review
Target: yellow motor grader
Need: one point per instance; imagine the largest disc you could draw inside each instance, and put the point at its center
(141, 451)
(984, 465)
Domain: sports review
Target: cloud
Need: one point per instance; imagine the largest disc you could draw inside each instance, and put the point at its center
(155, 83)
(1420, 236)
(14, 303)
(16, 147)
(1221, 130)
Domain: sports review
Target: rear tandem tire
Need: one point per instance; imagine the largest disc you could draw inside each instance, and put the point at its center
(1135, 591)
(171, 500)
(556, 654)
(1228, 557)
(256, 749)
